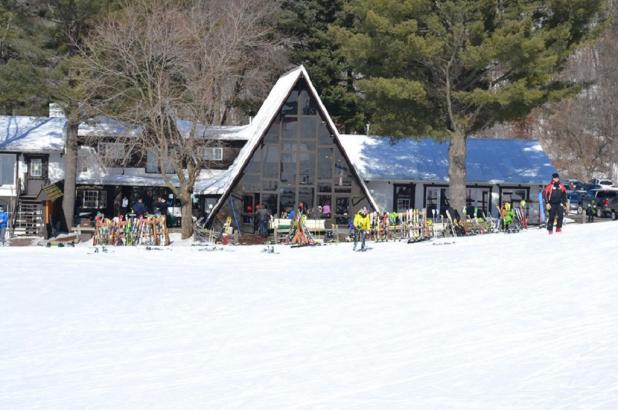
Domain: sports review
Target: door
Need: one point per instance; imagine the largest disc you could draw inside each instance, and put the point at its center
(36, 173)
(403, 198)
(249, 222)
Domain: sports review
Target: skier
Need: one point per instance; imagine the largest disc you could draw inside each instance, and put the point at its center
(4, 218)
(361, 226)
(556, 199)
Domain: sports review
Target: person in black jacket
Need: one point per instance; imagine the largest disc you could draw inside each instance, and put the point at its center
(556, 199)
(263, 219)
(161, 206)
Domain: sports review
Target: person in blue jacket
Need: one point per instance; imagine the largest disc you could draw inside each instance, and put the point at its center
(139, 208)
(4, 221)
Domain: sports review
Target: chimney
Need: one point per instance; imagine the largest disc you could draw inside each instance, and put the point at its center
(55, 111)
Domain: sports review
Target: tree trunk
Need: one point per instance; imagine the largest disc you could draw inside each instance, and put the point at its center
(187, 215)
(70, 172)
(457, 171)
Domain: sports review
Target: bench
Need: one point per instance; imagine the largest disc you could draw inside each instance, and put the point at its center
(282, 226)
(79, 230)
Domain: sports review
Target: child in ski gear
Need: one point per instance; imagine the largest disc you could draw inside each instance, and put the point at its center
(362, 224)
(556, 199)
(4, 218)
(506, 215)
(591, 211)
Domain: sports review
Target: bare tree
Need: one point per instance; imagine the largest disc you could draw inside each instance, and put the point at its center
(172, 69)
(580, 133)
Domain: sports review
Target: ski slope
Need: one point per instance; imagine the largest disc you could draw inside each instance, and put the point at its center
(522, 321)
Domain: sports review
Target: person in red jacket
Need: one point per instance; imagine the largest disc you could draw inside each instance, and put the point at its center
(556, 199)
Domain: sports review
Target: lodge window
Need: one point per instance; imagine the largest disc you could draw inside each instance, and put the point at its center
(403, 197)
(436, 198)
(479, 199)
(113, 151)
(36, 167)
(513, 195)
(152, 164)
(211, 153)
(92, 199)
(7, 169)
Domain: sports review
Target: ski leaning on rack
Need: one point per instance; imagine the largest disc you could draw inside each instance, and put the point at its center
(542, 223)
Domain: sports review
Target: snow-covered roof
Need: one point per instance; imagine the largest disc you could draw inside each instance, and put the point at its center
(220, 132)
(254, 131)
(260, 123)
(46, 134)
(31, 134)
(207, 179)
(488, 160)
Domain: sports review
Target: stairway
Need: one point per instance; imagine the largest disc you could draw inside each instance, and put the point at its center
(29, 218)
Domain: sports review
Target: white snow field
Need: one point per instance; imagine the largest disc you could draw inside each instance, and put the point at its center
(522, 321)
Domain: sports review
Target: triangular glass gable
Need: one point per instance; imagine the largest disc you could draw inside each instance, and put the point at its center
(296, 161)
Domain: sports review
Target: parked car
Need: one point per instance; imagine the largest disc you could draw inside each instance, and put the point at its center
(575, 201)
(602, 198)
(604, 182)
(574, 185)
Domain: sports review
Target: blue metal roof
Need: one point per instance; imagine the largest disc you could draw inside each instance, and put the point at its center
(488, 160)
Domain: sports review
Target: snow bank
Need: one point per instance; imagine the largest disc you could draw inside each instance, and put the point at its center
(463, 326)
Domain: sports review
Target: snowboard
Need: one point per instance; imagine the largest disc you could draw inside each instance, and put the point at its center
(541, 210)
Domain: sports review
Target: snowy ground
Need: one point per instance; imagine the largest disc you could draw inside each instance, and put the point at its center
(493, 322)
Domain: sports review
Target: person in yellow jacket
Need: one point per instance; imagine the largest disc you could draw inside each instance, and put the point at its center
(361, 227)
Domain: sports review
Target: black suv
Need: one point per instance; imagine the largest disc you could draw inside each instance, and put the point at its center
(602, 199)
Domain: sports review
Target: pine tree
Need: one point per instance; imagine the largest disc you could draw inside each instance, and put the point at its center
(305, 23)
(23, 59)
(70, 22)
(450, 68)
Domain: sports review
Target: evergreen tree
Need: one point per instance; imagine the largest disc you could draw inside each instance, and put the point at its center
(305, 23)
(39, 44)
(450, 68)
(70, 22)
(23, 59)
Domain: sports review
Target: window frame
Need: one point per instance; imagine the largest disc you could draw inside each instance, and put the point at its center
(31, 168)
(13, 157)
(97, 201)
(211, 153)
(103, 150)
